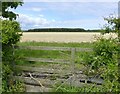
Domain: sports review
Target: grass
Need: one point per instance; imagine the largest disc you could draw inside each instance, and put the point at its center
(79, 56)
(84, 89)
(82, 45)
(78, 65)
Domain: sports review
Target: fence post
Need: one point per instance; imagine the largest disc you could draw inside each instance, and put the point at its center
(72, 64)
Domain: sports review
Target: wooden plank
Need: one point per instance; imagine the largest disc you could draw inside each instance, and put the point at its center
(72, 63)
(43, 70)
(73, 58)
(52, 48)
(51, 60)
(83, 49)
(44, 82)
(46, 75)
(44, 48)
(47, 82)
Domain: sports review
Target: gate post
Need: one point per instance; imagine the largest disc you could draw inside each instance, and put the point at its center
(72, 64)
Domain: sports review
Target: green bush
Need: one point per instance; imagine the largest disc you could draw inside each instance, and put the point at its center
(103, 63)
(11, 33)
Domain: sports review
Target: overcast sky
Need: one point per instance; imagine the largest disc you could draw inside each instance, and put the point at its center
(87, 15)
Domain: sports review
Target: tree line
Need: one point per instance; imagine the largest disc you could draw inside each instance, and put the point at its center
(60, 30)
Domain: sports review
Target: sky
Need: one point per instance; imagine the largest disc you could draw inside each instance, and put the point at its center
(64, 14)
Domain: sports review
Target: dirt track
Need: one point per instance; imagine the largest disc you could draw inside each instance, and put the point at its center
(61, 36)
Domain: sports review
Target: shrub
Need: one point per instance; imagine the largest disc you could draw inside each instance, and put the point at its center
(11, 33)
(104, 62)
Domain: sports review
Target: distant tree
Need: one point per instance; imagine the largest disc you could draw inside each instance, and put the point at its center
(6, 13)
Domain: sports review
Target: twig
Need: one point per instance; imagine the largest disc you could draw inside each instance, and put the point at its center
(36, 80)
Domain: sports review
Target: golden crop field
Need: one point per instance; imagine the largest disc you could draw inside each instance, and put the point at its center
(62, 36)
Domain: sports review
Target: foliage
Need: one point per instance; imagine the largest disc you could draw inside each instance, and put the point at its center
(11, 33)
(5, 9)
(9, 84)
(84, 89)
(60, 30)
(10, 36)
(103, 63)
(113, 24)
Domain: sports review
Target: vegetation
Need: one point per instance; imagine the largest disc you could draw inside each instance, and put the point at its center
(9, 14)
(102, 62)
(60, 30)
(56, 44)
(112, 26)
(10, 36)
(11, 33)
(51, 54)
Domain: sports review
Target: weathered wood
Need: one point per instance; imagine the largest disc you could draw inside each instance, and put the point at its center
(53, 48)
(48, 83)
(51, 60)
(72, 63)
(43, 70)
(44, 82)
(83, 49)
(44, 48)
(47, 75)
(72, 58)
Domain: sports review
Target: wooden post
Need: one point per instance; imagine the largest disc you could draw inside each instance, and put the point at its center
(72, 64)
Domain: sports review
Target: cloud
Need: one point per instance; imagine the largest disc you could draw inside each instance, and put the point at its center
(83, 23)
(29, 22)
(33, 22)
(90, 9)
(65, 14)
(35, 9)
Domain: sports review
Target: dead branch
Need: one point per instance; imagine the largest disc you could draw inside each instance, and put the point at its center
(37, 81)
